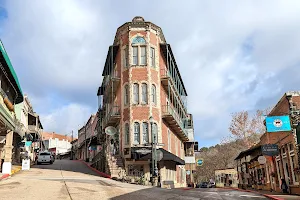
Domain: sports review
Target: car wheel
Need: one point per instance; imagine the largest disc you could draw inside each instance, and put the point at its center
(51, 162)
(38, 163)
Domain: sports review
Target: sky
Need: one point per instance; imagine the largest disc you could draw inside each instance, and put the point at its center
(232, 55)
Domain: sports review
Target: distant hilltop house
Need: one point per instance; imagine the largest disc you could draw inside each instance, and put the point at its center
(57, 143)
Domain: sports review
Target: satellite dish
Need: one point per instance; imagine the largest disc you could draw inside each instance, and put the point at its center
(110, 130)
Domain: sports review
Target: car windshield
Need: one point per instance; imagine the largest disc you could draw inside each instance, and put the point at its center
(45, 154)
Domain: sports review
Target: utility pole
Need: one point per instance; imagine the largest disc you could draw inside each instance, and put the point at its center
(72, 146)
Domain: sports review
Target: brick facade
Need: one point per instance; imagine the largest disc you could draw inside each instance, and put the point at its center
(142, 74)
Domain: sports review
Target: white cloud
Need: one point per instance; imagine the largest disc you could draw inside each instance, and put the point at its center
(242, 56)
(67, 118)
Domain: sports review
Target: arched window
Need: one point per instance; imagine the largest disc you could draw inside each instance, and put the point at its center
(144, 93)
(136, 136)
(127, 137)
(153, 94)
(136, 93)
(139, 55)
(126, 95)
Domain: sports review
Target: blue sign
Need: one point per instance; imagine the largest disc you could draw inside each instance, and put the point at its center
(28, 143)
(199, 162)
(278, 123)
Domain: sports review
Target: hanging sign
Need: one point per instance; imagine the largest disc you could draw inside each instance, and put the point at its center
(199, 162)
(278, 123)
(262, 160)
(270, 149)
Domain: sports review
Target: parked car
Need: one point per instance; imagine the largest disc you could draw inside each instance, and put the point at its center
(44, 157)
(204, 185)
(211, 184)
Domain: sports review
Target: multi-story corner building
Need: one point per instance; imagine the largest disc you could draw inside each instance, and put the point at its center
(10, 94)
(141, 80)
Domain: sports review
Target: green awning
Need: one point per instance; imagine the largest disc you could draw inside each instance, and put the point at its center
(15, 81)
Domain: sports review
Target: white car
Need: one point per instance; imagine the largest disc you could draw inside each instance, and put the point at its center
(44, 157)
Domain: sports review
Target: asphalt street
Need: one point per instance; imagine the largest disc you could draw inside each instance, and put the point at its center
(73, 180)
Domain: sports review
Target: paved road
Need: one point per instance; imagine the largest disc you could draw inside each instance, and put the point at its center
(73, 180)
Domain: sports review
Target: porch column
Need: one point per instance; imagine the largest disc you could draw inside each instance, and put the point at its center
(6, 169)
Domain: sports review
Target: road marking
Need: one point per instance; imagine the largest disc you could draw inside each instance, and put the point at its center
(252, 196)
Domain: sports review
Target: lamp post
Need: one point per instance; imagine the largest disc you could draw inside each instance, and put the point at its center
(154, 157)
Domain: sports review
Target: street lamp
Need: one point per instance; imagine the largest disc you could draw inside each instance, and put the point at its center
(154, 157)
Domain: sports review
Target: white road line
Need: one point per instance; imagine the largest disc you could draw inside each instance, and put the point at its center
(252, 196)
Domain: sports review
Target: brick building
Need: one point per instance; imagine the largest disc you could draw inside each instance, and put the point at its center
(141, 79)
(285, 165)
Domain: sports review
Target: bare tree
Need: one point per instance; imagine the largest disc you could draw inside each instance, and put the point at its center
(248, 128)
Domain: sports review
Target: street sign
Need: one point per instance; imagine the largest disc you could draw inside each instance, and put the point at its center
(270, 149)
(200, 162)
(25, 164)
(262, 160)
(278, 123)
(143, 151)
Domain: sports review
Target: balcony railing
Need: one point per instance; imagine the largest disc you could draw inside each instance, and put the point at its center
(175, 122)
(113, 116)
(168, 82)
(32, 128)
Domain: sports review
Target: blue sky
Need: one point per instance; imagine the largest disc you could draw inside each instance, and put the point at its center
(231, 56)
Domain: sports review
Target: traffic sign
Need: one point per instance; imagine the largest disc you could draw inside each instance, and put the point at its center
(200, 162)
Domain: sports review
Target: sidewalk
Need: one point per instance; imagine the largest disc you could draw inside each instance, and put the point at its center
(271, 195)
(15, 169)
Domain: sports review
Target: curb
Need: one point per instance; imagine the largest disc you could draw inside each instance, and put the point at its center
(251, 191)
(4, 176)
(95, 170)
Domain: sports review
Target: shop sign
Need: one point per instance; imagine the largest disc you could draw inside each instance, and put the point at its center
(278, 123)
(143, 151)
(25, 164)
(262, 160)
(270, 149)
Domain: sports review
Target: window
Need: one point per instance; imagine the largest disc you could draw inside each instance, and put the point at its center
(143, 55)
(125, 61)
(152, 57)
(127, 133)
(139, 49)
(126, 95)
(144, 93)
(153, 94)
(136, 133)
(145, 133)
(136, 93)
(135, 55)
(169, 140)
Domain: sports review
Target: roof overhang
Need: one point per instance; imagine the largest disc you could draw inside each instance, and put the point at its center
(111, 56)
(166, 48)
(5, 61)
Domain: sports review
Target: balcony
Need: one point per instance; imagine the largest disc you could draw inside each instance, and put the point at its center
(32, 128)
(170, 116)
(112, 118)
(169, 84)
(110, 86)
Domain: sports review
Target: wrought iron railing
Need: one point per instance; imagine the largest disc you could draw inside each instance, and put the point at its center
(113, 112)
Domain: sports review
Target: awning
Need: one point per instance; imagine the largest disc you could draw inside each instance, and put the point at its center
(167, 156)
(4, 59)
